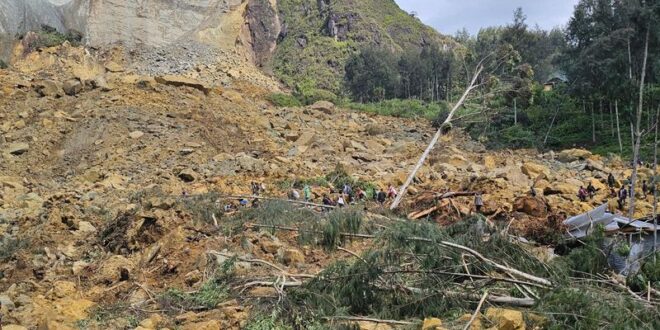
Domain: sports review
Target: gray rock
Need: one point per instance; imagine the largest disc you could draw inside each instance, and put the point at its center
(72, 87)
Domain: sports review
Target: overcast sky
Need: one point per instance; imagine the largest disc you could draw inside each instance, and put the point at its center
(449, 16)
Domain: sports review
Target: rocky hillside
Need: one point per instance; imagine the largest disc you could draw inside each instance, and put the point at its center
(304, 43)
(317, 37)
(111, 184)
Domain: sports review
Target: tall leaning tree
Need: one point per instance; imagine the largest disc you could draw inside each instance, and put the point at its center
(491, 62)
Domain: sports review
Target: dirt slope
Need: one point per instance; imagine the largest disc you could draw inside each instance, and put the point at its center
(96, 186)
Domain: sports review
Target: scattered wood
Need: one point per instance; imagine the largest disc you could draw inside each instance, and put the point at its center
(476, 311)
(368, 319)
(478, 255)
(278, 199)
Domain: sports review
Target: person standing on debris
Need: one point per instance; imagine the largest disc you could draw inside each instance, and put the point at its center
(255, 188)
(361, 194)
(391, 192)
(645, 188)
(340, 201)
(478, 202)
(307, 193)
(347, 190)
(295, 195)
(610, 180)
(582, 194)
(327, 201)
(623, 195)
(532, 191)
(381, 197)
(591, 190)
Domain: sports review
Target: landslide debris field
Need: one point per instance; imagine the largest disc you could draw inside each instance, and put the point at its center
(112, 193)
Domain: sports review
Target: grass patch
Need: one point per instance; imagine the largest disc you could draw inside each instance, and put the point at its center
(208, 296)
(402, 108)
(284, 100)
(114, 315)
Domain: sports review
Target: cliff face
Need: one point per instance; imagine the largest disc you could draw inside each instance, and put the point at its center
(152, 23)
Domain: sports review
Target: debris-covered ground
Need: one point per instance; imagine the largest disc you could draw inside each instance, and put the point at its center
(112, 193)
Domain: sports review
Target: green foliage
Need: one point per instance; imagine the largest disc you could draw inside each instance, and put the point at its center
(340, 221)
(284, 100)
(372, 75)
(403, 108)
(9, 247)
(649, 272)
(309, 95)
(103, 316)
(590, 308)
(50, 37)
(309, 52)
(340, 177)
(203, 207)
(517, 137)
(267, 322)
(208, 296)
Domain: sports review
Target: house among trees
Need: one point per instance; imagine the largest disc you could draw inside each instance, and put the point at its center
(554, 80)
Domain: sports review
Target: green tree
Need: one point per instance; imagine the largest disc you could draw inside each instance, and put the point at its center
(372, 75)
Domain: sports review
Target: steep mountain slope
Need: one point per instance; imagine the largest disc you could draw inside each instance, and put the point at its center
(318, 37)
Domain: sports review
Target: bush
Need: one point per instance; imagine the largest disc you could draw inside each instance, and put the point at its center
(209, 295)
(313, 95)
(284, 100)
(517, 137)
(403, 108)
(50, 37)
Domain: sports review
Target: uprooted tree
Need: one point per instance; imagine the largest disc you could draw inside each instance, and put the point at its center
(490, 63)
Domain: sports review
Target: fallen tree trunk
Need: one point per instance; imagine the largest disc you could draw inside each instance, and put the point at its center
(442, 130)
(368, 319)
(278, 199)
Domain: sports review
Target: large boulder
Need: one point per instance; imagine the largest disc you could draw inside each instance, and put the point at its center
(533, 206)
(292, 257)
(506, 319)
(571, 155)
(560, 188)
(432, 323)
(72, 87)
(48, 88)
(535, 171)
(306, 139)
(323, 106)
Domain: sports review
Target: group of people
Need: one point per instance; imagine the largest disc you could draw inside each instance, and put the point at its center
(346, 196)
(621, 195)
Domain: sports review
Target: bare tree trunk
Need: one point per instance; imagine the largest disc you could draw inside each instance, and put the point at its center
(629, 62)
(420, 162)
(545, 140)
(655, 186)
(618, 128)
(593, 124)
(609, 105)
(515, 111)
(600, 112)
(638, 134)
